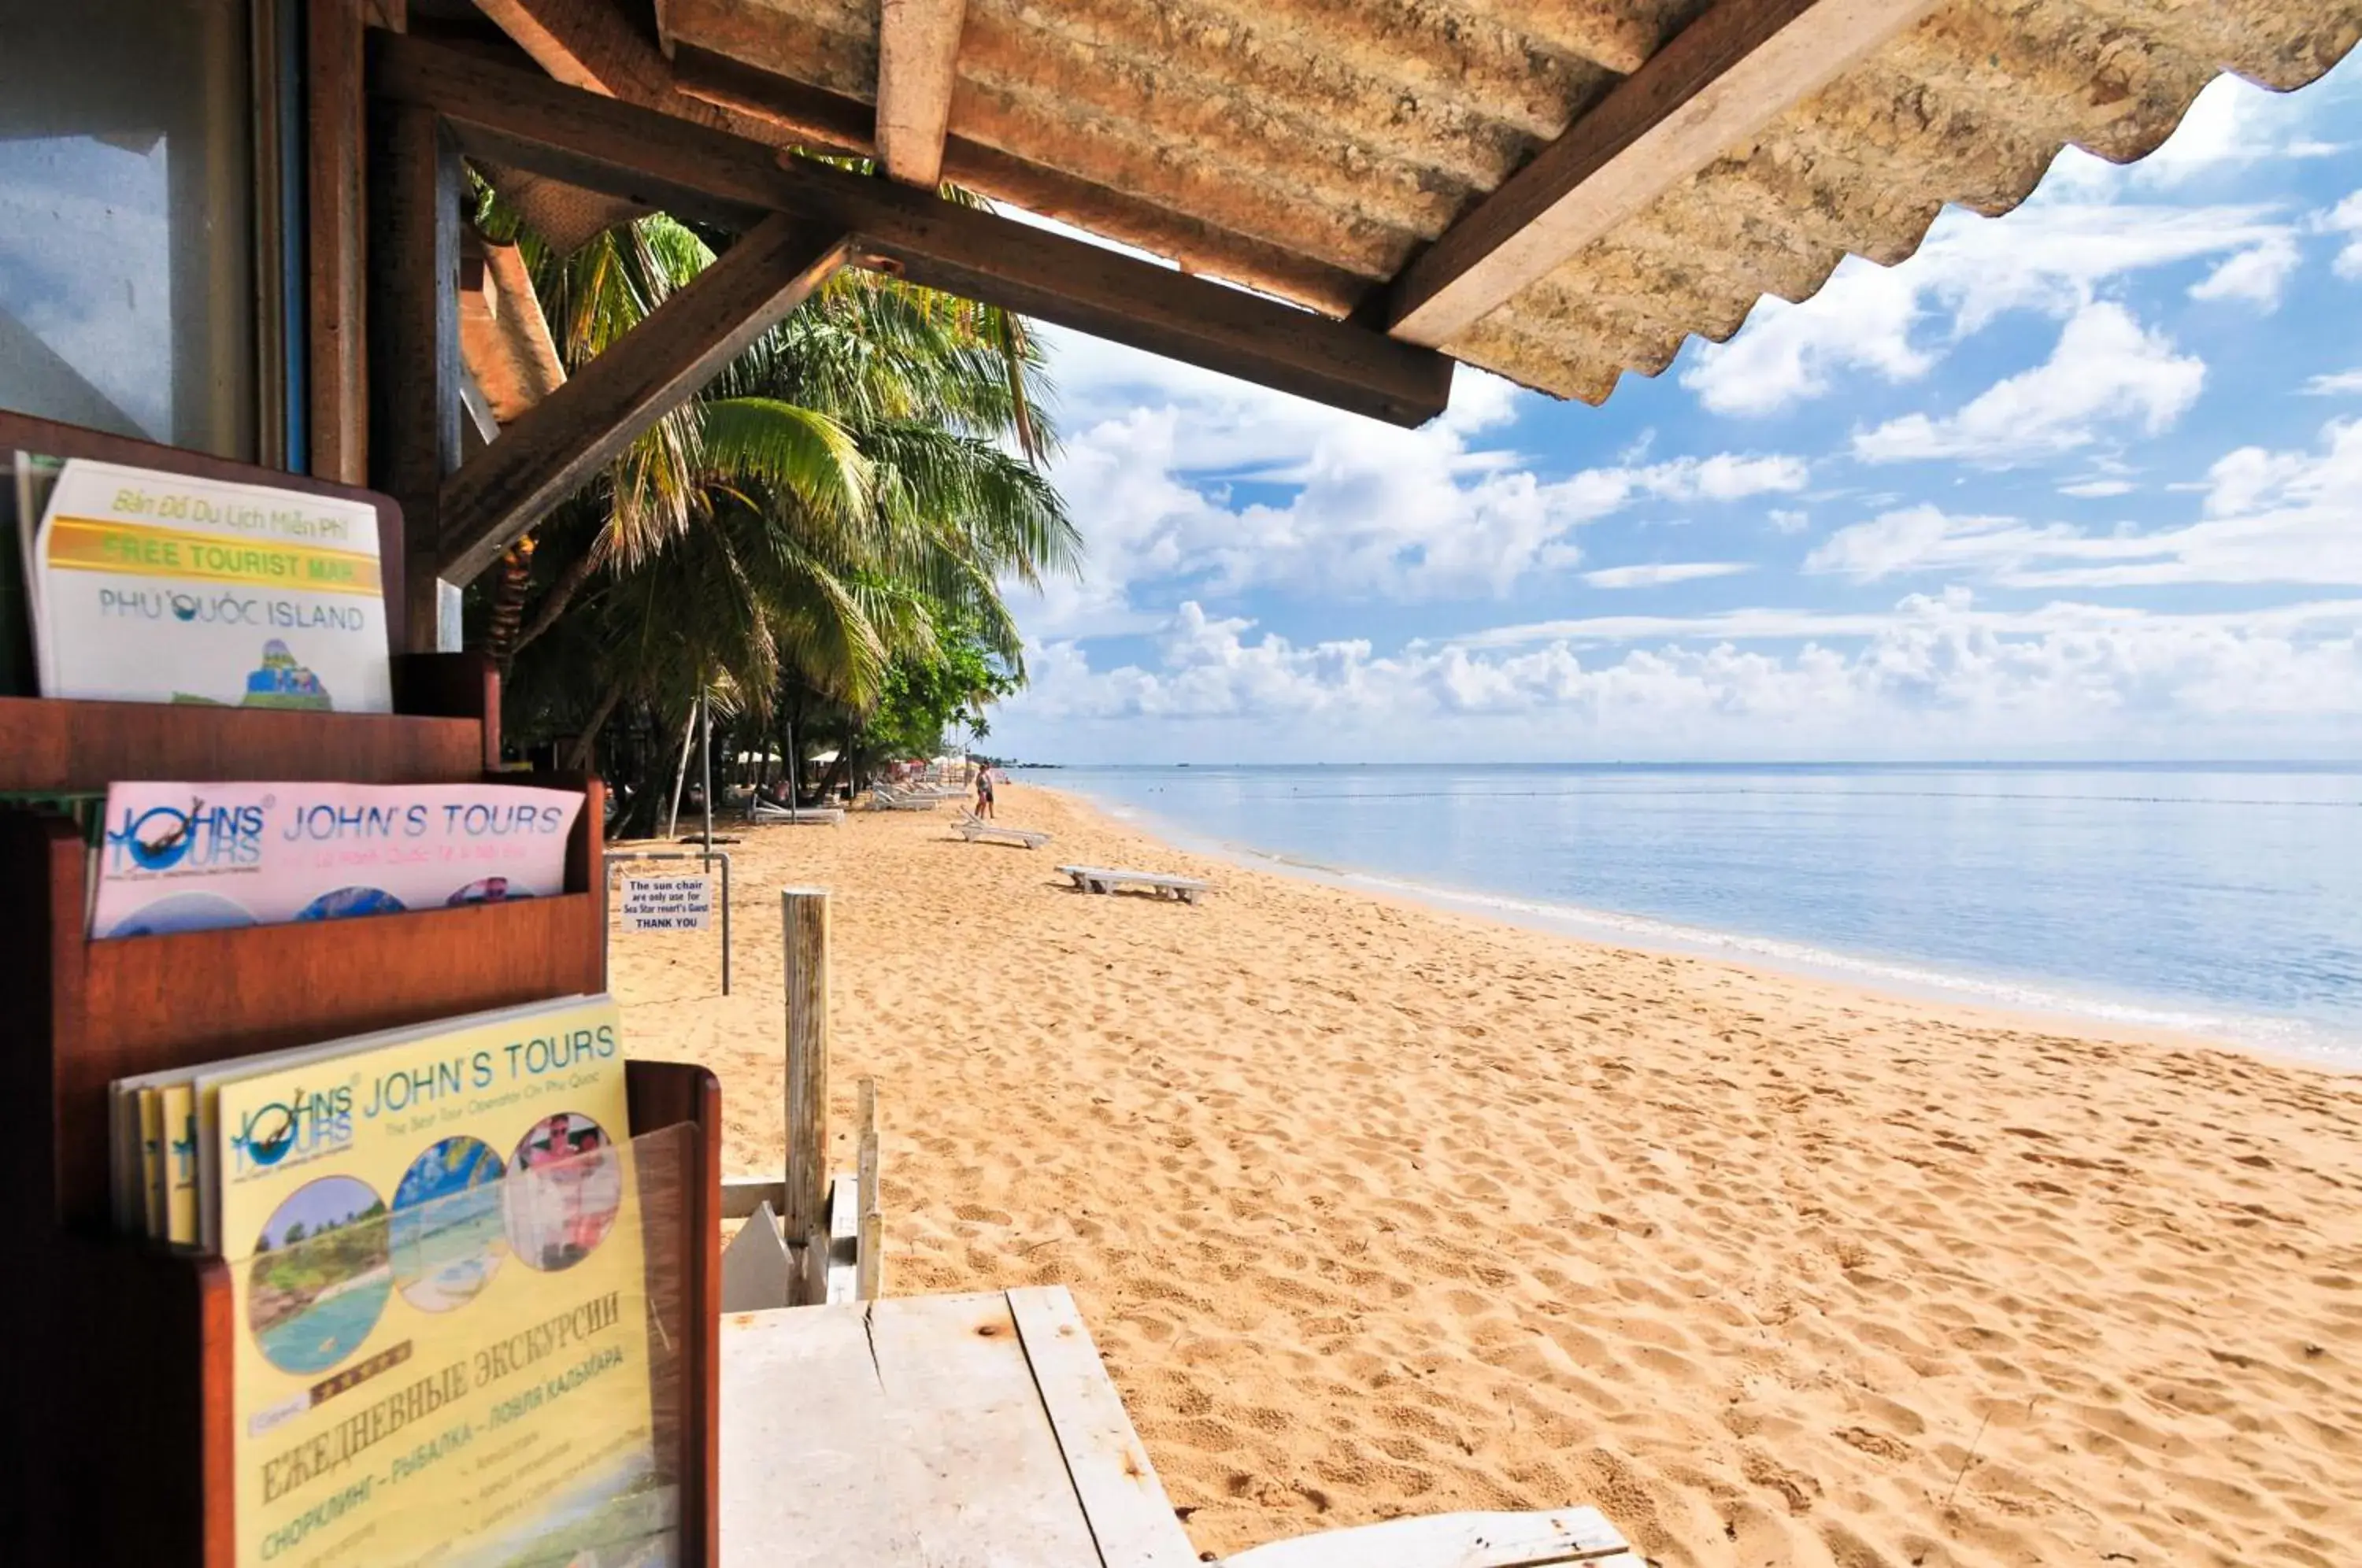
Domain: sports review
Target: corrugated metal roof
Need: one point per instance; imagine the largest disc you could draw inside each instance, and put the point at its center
(1270, 141)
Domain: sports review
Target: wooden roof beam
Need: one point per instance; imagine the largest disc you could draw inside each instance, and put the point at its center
(1719, 81)
(821, 121)
(553, 448)
(527, 121)
(918, 49)
(591, 44)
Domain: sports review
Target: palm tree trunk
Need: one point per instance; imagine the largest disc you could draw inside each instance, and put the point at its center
(586, 744)
(508, 601)
(554, 602)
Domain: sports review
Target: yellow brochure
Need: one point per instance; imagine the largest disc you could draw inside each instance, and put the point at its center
(442, 1354)
(153, 1209)
(180, 1153)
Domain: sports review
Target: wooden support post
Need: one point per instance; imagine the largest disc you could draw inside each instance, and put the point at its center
(918, 53)
(870, 1266)
(803, 914)
(413, 331)
(340, 357)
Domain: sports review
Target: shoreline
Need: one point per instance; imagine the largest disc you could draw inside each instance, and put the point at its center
(2053, 1007)
(1373, 1209)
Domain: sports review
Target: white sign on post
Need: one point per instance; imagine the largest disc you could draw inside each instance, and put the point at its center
(667, 903)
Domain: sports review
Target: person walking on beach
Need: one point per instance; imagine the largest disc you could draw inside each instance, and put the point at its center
(984, 792)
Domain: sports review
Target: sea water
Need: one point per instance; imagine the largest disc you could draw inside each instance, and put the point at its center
(2222, 900)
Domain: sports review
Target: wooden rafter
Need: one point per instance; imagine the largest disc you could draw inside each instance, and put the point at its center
(800, 115)
(918, 48)
(527, 121)
(591, 44)
(1719, 81)
(557, 445)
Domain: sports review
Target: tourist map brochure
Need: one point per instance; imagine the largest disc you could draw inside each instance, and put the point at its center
(195, 857)
(153, 587)
(439, 1283)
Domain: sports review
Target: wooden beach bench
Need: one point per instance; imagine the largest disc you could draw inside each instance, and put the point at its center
(972, 827)
(1107, 880)
(943, 1432)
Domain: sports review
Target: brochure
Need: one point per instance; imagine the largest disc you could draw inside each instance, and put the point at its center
(207, 1089)
(151, 1162)
(440, 1286)
(196, 856)
(179, 1154)
(153, 587)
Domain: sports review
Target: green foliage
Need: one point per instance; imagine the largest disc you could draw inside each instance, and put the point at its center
(924, 694)
(820, 535)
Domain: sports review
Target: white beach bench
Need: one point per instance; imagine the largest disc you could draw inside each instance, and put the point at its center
(894, 800)
(1105, 880)
(799, 816)
(972, 827)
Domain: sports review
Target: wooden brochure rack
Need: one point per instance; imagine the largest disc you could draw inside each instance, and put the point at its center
(115, 1412)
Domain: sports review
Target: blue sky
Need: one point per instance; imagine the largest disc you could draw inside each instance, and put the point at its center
(2084, 480)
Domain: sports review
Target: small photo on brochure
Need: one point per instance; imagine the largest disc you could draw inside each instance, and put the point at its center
(447, 1235)
(320, 1273)
(564, 1188)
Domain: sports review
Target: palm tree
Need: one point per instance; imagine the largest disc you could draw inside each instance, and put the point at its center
(866, 473)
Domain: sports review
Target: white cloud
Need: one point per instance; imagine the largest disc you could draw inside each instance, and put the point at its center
(1926, 538)
(2089, 223)
(2316, 617)
(1935, 676)
(2335, 384)
(2268, 517)
(2098, 489)
(2232, 125)
(2106, 370)
(1178, 475)
(2050, 256)
(2255, 276)
(1657, 575)
(2346, 218)
(1785, 520)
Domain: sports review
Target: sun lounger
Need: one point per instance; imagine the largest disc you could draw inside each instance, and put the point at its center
(805, 816)
(1454, 1541)
(973, 827)
(893, 799)
(1105, 880)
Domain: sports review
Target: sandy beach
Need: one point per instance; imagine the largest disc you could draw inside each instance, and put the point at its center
(1375, 1209)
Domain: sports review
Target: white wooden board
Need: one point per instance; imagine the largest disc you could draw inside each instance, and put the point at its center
(755, 1266)
(903, 1433)
(1130, 1517)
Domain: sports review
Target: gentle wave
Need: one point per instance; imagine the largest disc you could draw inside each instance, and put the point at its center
(2286, 1037)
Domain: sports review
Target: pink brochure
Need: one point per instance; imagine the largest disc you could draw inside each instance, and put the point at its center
(193, 856)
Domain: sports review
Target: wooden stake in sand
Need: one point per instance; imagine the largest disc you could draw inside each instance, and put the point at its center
(871, 1221)
(803, 914)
